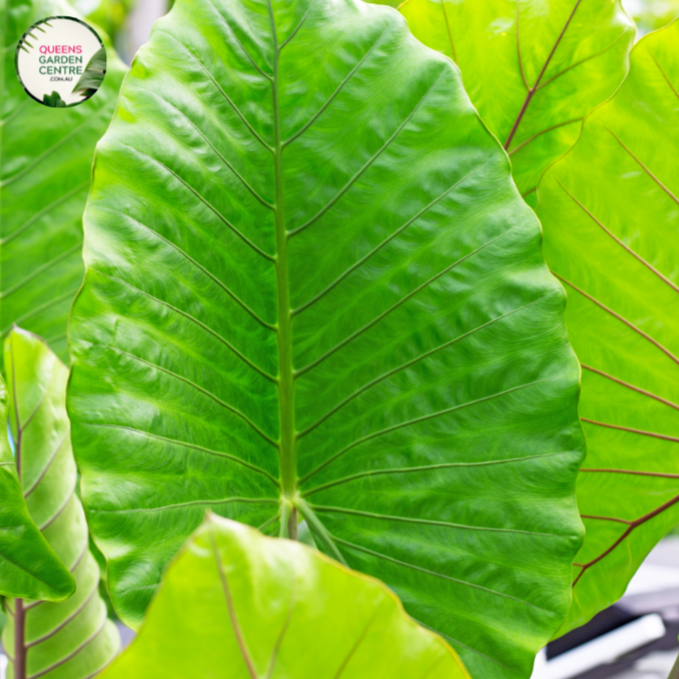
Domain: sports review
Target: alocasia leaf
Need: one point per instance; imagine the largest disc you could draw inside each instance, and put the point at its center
(91, 79)
(312, 286)
(45, 169)
(610, 211)
(533, 69)
(235, 604)
(72, 639)
(28, 565)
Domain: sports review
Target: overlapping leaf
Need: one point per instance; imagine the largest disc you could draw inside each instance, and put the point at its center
(312, 286)
(45, 168)
(235, 604)
(532, 69)
(28, 565)
(72, 639)
(610, 211)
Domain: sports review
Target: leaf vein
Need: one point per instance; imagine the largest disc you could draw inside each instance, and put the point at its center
(630, 325)
(367, 165)
(408, 364)
(207, 203)
(237, 174)
(338, 89)
(197, 387)
(240, 44)
(200, 324)
(644, 168)
(236, 110)
(36, 217)
(40, 270)
(185, 444)
(617, 240)
(431, 522)
(197, 264)
(71, 655)
(397, 305)
(36, 161)
(191, 503)
(386, 241)
(442, 576)
(423, 418)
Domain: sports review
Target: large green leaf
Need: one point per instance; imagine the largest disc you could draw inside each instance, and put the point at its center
(237, 605)
(533, 69)
(610, 211)
(45, 168)
(28, 565)
(311, 285)
(72, 639)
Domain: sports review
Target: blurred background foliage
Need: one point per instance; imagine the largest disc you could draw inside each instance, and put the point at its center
(127, 22)
(111, 15)
(648, 15)
(116, 17)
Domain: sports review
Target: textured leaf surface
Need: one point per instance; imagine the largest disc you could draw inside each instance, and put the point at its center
(532, 69)
(610, 211)
(45, 168)
(28, 565)
(237, 605)
(72, 639)
(311, 285)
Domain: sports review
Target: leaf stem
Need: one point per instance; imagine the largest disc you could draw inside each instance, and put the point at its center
(320, 530)
(19, 639)
(293, 522)
(19, 610)
(285, 518)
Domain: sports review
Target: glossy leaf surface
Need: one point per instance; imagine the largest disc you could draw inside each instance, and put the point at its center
(45, 167)
(237, 605)
(312, 286)
(610, 211)
(28, 565)
(72, 639)
(532, 69)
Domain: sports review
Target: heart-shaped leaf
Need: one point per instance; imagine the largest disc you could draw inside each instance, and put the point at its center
(73, 639)
(45, 168)
(28, 565)
(532, 69)
(610, 210)
(312, 286)
(235, 604)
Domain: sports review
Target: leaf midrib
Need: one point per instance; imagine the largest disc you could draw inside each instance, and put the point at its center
(536, 85)
(286, 386)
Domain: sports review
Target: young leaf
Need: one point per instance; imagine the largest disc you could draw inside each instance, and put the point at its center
(610, 210)
(236, 604)
(28, 565)
(312, 287)
(532, 69)
(74, 638)
(45, 168)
